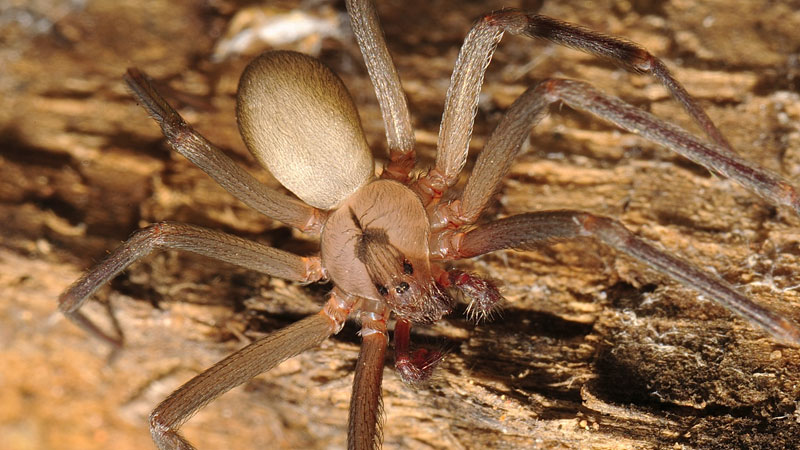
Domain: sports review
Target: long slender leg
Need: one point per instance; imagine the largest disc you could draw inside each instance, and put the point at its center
(630, 55)
(366, 409)
(768, 185)
(186, 141)
(530, 108)
(240, 367)
(527, 231)
(495, 160)
(476, 53)
(170, 235)
(391, 97)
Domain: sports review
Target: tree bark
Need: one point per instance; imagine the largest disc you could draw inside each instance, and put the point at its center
(590, 351)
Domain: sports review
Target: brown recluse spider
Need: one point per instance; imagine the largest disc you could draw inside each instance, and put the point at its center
(385, 239)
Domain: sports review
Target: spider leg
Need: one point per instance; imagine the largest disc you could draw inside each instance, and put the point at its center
(258, 357)
(629, 55)
(366, 406)
(768, 185)
(197, 149)
(527, 231)
(495, 160)
(170, 235)
(391, 97)
(504, 144)
(465, 84)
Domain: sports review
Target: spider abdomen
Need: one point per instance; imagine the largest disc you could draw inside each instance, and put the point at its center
(299, 121)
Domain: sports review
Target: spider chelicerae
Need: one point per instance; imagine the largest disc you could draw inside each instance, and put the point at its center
(386, 239)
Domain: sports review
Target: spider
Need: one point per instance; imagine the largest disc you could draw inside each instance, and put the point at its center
(385, 239)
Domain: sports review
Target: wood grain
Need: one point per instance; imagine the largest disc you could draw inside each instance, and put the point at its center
(591, 350)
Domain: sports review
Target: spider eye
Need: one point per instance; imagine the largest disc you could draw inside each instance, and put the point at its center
(402, 287)
(382, 289)
(408, 269)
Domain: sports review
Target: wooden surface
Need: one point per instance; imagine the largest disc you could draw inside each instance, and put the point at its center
(591, 351)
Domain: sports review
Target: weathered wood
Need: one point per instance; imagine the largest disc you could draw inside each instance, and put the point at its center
(590, 352)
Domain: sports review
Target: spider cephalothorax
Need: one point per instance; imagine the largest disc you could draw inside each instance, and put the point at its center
(413, 295)
(385, 238)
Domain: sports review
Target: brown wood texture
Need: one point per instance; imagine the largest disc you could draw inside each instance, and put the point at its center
(591, 350)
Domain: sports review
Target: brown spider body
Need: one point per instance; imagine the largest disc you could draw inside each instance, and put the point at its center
(385, 239)
(374, 243)
(376, 246)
